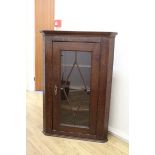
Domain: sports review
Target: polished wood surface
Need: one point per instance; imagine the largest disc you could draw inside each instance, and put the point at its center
(44, 19)
(101, 44)
(39, 144)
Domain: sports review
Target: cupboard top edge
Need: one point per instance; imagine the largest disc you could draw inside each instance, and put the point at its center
(84, 33)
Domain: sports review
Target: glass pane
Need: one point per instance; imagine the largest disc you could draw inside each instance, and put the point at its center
(75, 87)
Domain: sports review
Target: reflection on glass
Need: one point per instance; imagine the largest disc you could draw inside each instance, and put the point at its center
(75, 87)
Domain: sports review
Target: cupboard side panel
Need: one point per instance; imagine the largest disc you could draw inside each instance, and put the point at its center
(47, 86)
(109, 83)
(101, 134)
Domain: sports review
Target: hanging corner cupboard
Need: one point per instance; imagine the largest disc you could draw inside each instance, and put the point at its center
(77, 76)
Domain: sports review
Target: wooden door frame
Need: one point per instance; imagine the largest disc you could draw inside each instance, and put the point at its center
(94, 49)
(44, 20)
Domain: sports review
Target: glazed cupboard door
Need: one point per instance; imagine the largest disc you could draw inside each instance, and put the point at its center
(75, 87)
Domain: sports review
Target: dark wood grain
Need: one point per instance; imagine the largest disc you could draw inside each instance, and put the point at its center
(108, 84)
(101, 45)
(47, 86)
(102, 88)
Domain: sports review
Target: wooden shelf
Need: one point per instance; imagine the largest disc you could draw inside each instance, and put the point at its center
(74, 108)
(71, 65)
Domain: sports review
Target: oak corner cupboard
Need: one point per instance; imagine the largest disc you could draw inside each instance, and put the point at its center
(77, 76)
